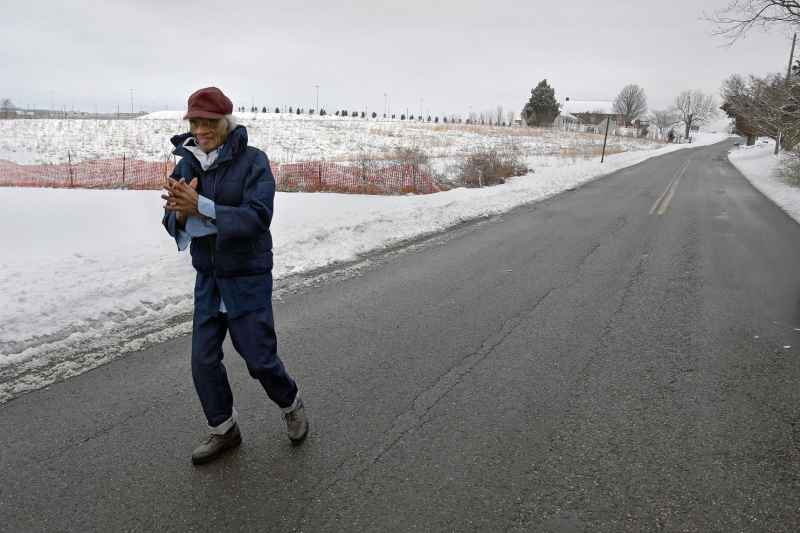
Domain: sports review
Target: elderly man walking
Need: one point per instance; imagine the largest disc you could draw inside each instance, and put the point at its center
(219, 201)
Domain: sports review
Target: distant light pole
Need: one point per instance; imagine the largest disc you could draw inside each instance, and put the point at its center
(317, 100)
(385, 104)
(131, 101)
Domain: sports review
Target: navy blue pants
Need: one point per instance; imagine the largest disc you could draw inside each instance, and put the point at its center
(253, 336)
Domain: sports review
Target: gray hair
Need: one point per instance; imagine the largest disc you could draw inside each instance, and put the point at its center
(232, 122)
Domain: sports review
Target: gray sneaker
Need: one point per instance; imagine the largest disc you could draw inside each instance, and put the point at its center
(297, 423)
(216, 445)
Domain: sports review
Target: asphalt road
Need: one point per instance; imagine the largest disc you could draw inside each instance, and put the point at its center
(622, 357)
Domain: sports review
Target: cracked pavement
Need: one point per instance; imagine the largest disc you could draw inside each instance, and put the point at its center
(574, 365)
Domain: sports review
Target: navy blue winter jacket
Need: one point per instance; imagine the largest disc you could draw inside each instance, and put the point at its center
(236, 263)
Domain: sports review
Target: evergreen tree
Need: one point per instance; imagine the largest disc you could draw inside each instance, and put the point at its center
(542, 108)
(436, 120)
(277, 110)
(264, 109)
(291, 110)
(299, 111)
(402, 117)
(374, 114)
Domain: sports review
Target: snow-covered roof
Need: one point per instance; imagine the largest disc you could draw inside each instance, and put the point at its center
(164, 115)
(588, 106)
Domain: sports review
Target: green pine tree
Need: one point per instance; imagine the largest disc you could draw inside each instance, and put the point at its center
(542, 108)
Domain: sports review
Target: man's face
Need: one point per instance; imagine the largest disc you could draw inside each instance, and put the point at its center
(209, 132)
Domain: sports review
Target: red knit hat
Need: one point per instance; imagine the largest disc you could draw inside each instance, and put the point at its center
(208, 103)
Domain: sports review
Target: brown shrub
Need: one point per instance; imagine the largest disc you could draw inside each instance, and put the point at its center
(492, 166)
(790, 168)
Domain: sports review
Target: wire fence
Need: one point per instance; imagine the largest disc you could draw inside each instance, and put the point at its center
(360, 177)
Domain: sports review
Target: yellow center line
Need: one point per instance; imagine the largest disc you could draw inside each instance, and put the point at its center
(666, 196)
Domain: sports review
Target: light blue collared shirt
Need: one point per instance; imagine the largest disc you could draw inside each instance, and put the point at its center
(200, 227)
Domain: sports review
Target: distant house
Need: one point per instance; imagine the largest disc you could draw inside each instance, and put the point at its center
(566, 121)
(592, 113)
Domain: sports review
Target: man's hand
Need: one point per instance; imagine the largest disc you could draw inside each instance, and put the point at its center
(181, 197)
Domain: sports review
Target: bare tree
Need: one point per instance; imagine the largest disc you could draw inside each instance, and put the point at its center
(695, 108)
(510, 115)
(7, 107)
(764, 106)
(739, 104)
(740, 16)
(631, 103)
(664, 119)
(499, 116)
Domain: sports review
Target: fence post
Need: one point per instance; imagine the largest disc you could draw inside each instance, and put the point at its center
(166, 161)
(123, 170)
(69, 169)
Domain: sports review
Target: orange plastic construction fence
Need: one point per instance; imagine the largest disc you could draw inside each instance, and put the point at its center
(370, 177)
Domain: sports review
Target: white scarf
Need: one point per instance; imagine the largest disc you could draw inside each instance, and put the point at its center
(205, 159)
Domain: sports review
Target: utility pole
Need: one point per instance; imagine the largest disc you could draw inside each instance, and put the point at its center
(605, 140)
(385, 104)
(788, 78)
(316, 104)
(131, 101)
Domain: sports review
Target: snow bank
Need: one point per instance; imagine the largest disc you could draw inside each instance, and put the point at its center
(760, 166)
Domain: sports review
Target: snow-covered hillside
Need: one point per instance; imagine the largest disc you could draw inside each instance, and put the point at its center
(286, 138)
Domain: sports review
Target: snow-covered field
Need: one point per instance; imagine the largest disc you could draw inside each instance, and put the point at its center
(286, 138)
(89, 275)
(760, 166)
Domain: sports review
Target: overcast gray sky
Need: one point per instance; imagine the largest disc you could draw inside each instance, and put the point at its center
(452, 54)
